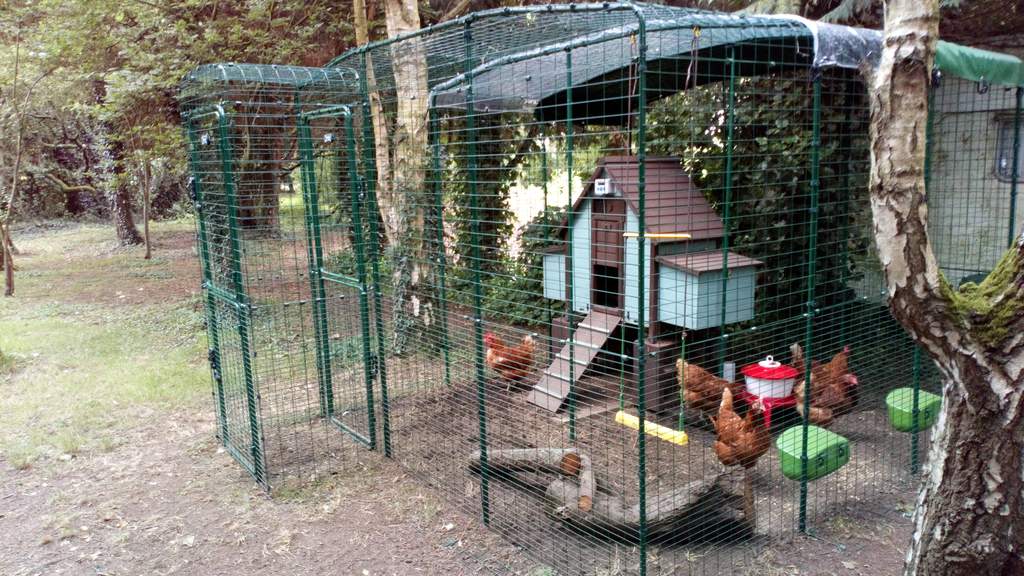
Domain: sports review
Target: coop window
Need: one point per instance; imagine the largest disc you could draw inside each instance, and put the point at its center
(606, 286)
(1004, 157)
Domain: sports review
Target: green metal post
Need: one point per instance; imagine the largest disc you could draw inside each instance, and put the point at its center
(241, 301)
(641, 332)
(812, 257)
(435, 152)
(478, 334)
(569, 136)
(1012, 233)
(314, 256)
(914, 442)
(547, 302)
(358, 198)
(730, 123)
(845, 148)
(370, 178)
(682, 384)
(212, 325)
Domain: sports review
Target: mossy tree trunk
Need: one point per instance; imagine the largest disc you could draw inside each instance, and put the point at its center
(970, 513)
(412, 304)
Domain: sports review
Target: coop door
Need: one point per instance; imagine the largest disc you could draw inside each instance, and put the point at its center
(229, 317)
(337, 250)
(606, 273)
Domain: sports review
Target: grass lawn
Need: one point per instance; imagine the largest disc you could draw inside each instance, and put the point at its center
(94, 339)
(108, 459)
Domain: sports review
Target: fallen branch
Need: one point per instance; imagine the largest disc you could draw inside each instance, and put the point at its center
(710, 507)
(564, 461)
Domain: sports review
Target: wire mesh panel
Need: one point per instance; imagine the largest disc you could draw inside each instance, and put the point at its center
(974, 135)
(266, 310)
(602, 274)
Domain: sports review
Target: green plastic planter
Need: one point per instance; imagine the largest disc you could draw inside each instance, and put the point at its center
(901, 409)
(826, 452)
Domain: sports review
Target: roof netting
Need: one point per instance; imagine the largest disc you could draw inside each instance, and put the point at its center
(220, 82)
(517, 56)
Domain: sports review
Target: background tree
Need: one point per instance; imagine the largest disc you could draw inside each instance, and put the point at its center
(970, 513)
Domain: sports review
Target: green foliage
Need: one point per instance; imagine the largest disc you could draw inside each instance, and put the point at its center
(502, 145)
(344, 262)
(513, 296)
(770, 177)
(118, 65)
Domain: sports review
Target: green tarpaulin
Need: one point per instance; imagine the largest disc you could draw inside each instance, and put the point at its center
(979, 65)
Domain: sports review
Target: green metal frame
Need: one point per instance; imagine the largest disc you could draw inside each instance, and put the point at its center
(571, 317)
(318, 272)
(1012, 232)
(235, 296)
(730, 125)
(812, 270)
(478, 328)
(369, 188)
(212, 325)
(641, 331)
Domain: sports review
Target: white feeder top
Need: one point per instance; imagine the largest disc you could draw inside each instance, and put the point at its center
(770, 369)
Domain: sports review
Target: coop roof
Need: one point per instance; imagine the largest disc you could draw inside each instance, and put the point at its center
(672, 203)
(699, 262)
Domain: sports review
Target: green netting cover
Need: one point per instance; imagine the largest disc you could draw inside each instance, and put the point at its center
(979, 65)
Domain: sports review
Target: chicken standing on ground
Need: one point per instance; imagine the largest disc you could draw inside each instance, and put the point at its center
(833, 387)
(740, 442)
(701, 389)
(511, 363)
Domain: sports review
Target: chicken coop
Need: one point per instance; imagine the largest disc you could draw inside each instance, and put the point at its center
(602, 275)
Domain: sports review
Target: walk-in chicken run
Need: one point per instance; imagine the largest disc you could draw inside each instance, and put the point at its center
(602, 274)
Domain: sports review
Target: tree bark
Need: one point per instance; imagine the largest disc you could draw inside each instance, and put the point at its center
(111, 153)
(410, 197)
(121, 211)
(147, 181)
(970, 513)
(382, 142)
(6, 260)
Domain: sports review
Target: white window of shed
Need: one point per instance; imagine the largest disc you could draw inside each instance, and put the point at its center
(1004, 157)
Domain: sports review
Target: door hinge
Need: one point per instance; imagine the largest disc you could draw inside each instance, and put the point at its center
(374, 365)
(214, 359)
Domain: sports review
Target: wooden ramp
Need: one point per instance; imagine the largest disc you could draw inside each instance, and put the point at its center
(591, 334)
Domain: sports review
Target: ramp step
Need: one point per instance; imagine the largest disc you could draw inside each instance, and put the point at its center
(589, 338)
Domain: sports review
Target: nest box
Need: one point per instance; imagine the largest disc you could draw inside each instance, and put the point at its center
(684, 276)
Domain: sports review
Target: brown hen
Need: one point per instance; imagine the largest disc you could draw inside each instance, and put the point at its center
(701, 389)
(512, 363)
(740, 441)
(833, 387)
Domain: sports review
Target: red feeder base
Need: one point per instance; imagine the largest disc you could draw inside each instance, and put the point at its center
(769, 404)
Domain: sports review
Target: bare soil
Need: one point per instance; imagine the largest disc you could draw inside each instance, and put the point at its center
(168, 499)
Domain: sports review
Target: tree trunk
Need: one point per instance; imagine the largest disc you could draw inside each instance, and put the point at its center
(6, 260)
(121, 211)
(382, 143)
(409, 178)
(147, 181)
(111, 153)
(970, 513)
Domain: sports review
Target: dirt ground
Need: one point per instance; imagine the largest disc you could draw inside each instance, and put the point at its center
(137, 484)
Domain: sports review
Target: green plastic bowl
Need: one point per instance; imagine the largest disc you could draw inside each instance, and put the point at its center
(901, 409)
(826, 452)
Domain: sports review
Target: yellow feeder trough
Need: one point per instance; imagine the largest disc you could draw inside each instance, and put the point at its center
(664, 432)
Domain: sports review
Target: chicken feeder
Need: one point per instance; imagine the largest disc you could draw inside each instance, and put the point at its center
(770, 378)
